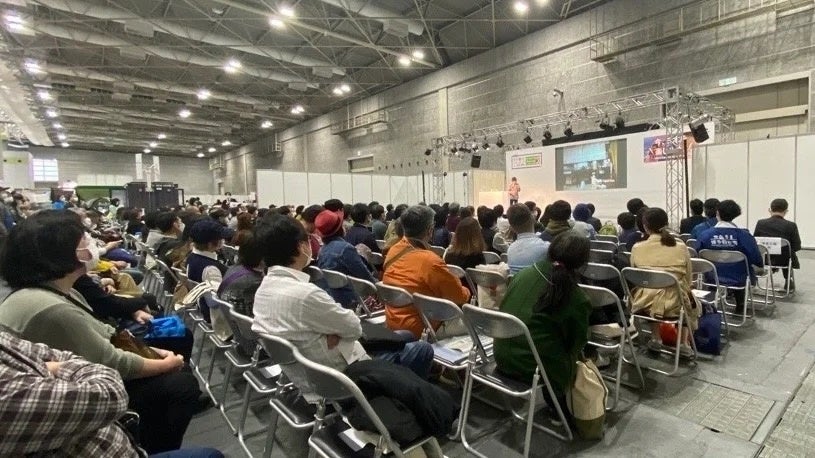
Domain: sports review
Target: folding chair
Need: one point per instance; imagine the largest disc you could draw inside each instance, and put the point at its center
(602, 297)
(500, 243)
(380, 244)
(786, 269)
(288, 401)
(608, 238)
(486, 279)
(439, 250)
(719, 257)
(365, 289)
(338, 280)
(604, 245)
(692, 252)
(624, 257)
(462, 275)
(491, 258)
(444, 311)
(335, 387)
(657, 279)
(393, 296)
(499, 325)
(685, 237)
(219, 347)
(601, 256)
(504, 258)
(315, 274)
(767, 278)
(702, 268)
(376, 260)
(691, 243)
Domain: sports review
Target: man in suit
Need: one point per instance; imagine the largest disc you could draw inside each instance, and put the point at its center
(696, 209)
(777, 226)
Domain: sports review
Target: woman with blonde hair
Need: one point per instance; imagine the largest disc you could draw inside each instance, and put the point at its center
(467, 248)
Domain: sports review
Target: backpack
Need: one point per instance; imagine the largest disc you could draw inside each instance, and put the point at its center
(608, 228)
(708, 336)
(586, 400)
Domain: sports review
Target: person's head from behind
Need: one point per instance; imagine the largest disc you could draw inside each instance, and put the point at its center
(627, 221)
(440, 218)
(47, 246)
(250, 253)
(568, 253)
(454, 209)
(581, 212)
(283, 242)
(728, 210)
(711, 207)
(334, 205)
(417, 222)
(498, 210)
(151, 220)
(360, 214)
(591, 208)
(169, 223)
(207, 235)
(329, 224)
(389, 208)
(219, 215)
(346, 211)
(560, 211)
(115, 201)
(530, 205)
(514, 179)
(546, 216)
(377, 212)
(520, 219)
(465, 212)
(487, 219)
(640, 217)
(245, 222)
(655, 221)
(697, 207)
(397, 212)
(299, 210)
(189, 220)
(779, 207)
(634, 205)
(310, 215)
(468, 239)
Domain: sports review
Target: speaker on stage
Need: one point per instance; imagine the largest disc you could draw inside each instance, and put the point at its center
(475, 162)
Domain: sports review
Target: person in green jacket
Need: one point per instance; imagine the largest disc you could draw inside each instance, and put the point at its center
(547, 298)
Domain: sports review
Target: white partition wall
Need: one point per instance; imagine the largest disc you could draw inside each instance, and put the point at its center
(295, 185)
(772, 176)
(342, 187)
(726, 174)
(319, 187)
(805, 189)
(399, 192)
(361, 187)
(381, 187)
(270, 188)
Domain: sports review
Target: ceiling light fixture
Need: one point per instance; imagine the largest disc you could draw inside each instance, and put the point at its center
(57, 125)
(266, 124)
(32, 67)
(199, 155)
(486, 144)
(146, 151)
(428, 152)
(500, 142)
(418, 54)
(153, 144)
(211, 149)
(62, 136)
(287, 11)
(232, 66)
(226, 143)
(520, 7)
(567, 131)
(404, 61)
(605, 123)
(161, 136)
(619, 121)
(51, 113)
(345, 88)
(203, 94)
(65, 144)
(547, 134)
(44, 95)
(297, 109)
(337, 91)
(276, 22)
(527, 138)
(14, 21)
(185, 113)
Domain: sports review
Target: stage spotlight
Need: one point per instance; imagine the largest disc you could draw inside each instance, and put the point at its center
(605, 123)
(453, 149)
(500, 142)
(428, 152)
(547, 134)
(619, 121)
(567, 131)
(528, 138)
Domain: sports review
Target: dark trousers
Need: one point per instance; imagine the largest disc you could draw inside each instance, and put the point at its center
(178, 345)
(165, 404)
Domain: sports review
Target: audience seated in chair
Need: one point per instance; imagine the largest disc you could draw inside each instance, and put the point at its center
(581, 215)
(558, 214)
(546, 297)
(309, 216)
(777, 226)
(44, 257)
(527, 248)
(697, 209)
(378, 225)
(661, 251)
(594, 222)
(202, 263)
(360, 233)
(727, 236)
(453, 216)
(244, 223)
(629, 235)
(710, 206)
(242, 280)
(288, 306)
(487, 221)
(441, 236)
(467, 249)
(410, 264)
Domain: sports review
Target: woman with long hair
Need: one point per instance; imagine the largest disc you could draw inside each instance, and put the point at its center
(547, 298)
(660, 251)
(467, 249)
(244, 229)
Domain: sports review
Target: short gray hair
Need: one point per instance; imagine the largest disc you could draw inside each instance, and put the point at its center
(416, 220)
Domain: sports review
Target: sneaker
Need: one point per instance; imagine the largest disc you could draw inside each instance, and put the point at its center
(602, 361)
(685, 351)
(653, 345)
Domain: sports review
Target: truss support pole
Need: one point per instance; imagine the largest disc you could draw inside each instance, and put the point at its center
(676, 155)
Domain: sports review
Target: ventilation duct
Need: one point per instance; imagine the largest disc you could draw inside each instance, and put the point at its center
(367, 9)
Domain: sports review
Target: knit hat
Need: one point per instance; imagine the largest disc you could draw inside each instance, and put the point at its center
(581, 212)
(207, 231)
(328, 223)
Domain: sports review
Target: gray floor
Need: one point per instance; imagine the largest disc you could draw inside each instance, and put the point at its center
(754, 399)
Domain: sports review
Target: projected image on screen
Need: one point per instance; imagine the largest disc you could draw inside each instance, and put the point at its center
(592, 166)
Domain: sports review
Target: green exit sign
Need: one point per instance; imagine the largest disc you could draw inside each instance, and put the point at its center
(728, 81)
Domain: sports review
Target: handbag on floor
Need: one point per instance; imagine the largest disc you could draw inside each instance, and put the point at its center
(587, 401)
(708, 335)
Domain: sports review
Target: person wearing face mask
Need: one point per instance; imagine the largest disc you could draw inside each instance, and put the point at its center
(44, 257)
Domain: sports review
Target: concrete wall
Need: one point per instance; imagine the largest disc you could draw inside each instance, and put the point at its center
(515, 81)
(191, 174)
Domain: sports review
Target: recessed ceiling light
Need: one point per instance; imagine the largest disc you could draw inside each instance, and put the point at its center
(211, 149)
(266, 124)
(232, 66)
(226, 143)
(62, 136)
(65, 144)
(345, 88)
(153, 144)
(276, 22)
(287, 11)
(520, 7)
(147, 151)
(161, 136)
(57, 125)
(404, 60)
(418, 54)
(337, 91)
(32, 67)
(185, 113)
(199, 155)
(297, 109)
(44, 95)
(51, 113)
(203, 94)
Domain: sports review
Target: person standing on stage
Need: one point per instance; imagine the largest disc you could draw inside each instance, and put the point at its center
(514, 191)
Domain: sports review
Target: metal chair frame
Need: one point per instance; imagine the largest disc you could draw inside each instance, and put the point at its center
(491, 258)
(608, 238)
(462, 275)
(700, 267)
(732, 257)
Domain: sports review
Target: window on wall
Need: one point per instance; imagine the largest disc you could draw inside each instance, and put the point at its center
(46, 170)
(361, 164)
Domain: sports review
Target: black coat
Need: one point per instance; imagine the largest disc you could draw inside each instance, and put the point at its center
(777, 226)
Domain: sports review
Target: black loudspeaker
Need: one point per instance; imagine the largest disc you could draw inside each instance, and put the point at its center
(475, 162)
(699, 133)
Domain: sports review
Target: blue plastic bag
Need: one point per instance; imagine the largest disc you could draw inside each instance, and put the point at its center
(169, 326)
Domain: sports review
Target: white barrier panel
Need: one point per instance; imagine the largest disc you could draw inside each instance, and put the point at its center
(342, 187)
(381, 187)
(319, 187)
(296, 188)
(772, 176)
(805, 189)
(361, 186)
(270, 187)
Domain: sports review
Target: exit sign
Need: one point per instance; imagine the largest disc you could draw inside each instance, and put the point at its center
(728, 81)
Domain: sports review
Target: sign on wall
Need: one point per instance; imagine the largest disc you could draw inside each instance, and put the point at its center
(526, 161)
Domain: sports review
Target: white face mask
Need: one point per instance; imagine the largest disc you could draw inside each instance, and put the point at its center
(87, 222)
(93, 249)
(181, 227)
